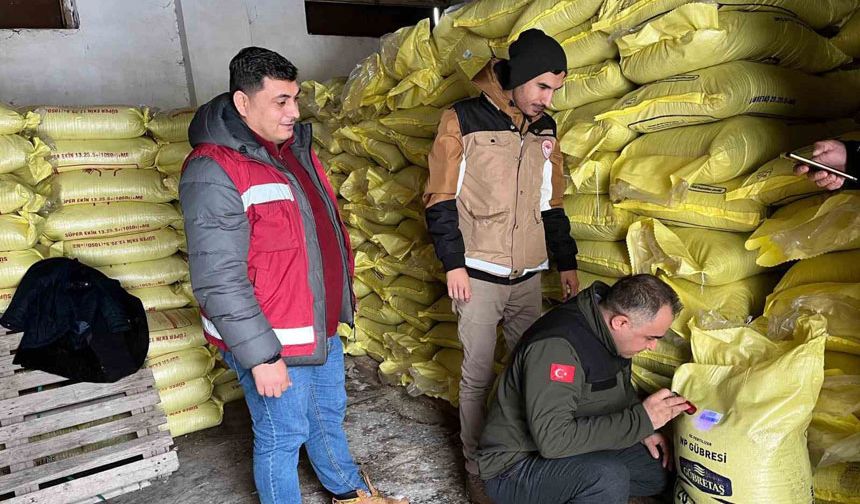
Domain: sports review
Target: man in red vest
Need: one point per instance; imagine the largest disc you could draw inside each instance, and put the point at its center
(272, 271)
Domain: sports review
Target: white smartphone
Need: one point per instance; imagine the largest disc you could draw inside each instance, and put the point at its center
(819, 166)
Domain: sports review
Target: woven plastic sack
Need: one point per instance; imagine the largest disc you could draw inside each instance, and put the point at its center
(368, 83)
(155, 273)
(120, 249)
(834, 434)
(385, 154)
(443, 334)
(348, 163)
(838, 303)
(228, 392)
(172, 154)
(366, 328)
(185, 394)
(838, 484)
(20, 231)
(490, 18)
(603, 258)
(414, 149)
(649, 381)
(848, 38)
(174, 330)
(17, 196)
(18, 154)
(67, 155)
(170, 369)
(372, 307)
(591, 176)
(458, 48)
(662, 167)
(101, 122)
(774, 183)
(594, 217)
(13, 265)
(323, 134)
(583, 47)
(6, 298)
(553, 17)
(171, 125)
(699, 255)
(837, 267)
(747, 410)
(698, 35)
(419, 122)
(583, 135)
(590, 84)
(807, 228)
(12, 122)
(452, 89)
(195, 418)
(408, 50)
(671, 351)
(421, 292)
(440, 311)
(108, 219)
(384, 216)
(619, 15)
(360, 288)
(410, 311)
(366, 256)
(730, 89)
(421, 264)
(107, 185)
(164, 297)
(385, 190)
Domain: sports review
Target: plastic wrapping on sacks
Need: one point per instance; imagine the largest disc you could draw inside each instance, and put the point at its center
(429, 378)
(196, 418)
(172, 154)
(834, 434)
(848, 38)
(590, 84)
(699, 35)
(120, 249)
(809, 227)
(228, 392)
(389, 192)
(185, 394)
(701, 256)
(336, 180)
(705, 206)
(17, 154)
(12, 122)
(356, 237)
(594, 217)
(620, 15)
(458, 48)
(13, 265)
(591, 176)
(372, 307)
(105, 220)
(662, 167)
(17, 196)
(99, 121)
(419, 122)
(320, 98)
(838, 303)
(171, 125)
(67, 155)
(554, 16)
(170, 369)
(490, 18)
(148, 273)
(730, 89)
(20, 231)
(163, 297)
(385, 216)
(583, 47)
(108, 185)
(603, 258)
(756, 412)
(408, 50)
(837, 484)
(174, 330)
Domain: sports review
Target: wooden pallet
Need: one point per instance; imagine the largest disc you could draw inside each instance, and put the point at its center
(63, 443)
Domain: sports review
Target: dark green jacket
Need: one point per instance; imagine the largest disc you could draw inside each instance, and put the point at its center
(565, 392)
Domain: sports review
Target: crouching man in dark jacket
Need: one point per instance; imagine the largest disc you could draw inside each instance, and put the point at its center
(566, 425)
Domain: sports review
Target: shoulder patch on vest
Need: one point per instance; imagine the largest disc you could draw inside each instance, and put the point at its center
(562, 372)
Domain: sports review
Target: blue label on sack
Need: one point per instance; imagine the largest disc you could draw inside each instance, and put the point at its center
(707, 419)
(704, 479)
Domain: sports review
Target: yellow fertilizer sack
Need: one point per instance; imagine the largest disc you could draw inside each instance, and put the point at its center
(20, 231)
(591, 176)
(323, 134)
(366, 328)
(170, 369)
(6, 298)
(368, 83)
(730, 89)
(423, 293)
(838, 484)
(164, 297)
(415, 149)
(414, 89)
(174, 330)
(443, 334)
(603, 258)
(13, 265)
(410, 311)
(440, 311)
(354, 188)
(834, 434)
(228, 392)
(699, 35)
(458, 48)
(553, 16)
(366, 256)
(185, 394)
(408, 50)
(108, 219)
(838, 303)
(155, 273)
(835, 267)
(389, 192)
(701, 256)
(452, 89)
(96, 122)
(807, 228)
(171, 125)
(490, 18)
(594, 217)
(360, 288)
(172, 154)
(385, 216)
(585, 135)
(705, 207)
(18, 154)
(419, 122)
(68, 155)
(774, 184)
(12, 122)
(671, 351)
(195, 418)
(649, 381)
(590, 84)
(120, 249)
(372, 307)
(848, 38)
(384, 154)
(662, 167)
(17, 196)
(583, 47)
(108, 185)
(421, 264)
(746, 412)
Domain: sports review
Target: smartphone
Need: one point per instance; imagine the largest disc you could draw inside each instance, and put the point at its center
(818, 166)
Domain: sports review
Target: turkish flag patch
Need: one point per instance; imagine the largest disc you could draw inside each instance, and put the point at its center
(561, 373)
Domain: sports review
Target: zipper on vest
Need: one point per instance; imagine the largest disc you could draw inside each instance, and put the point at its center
(517, 189)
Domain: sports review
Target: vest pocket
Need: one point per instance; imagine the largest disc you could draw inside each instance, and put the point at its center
(489, 233)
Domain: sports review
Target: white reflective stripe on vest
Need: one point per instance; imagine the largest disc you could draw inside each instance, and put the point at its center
(488, 267)
(460, 176)
(542, 266)
(265, 193)
(295, 336)
(546, 186)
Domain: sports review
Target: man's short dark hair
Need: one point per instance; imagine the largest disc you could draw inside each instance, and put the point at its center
(251, 64)
(640, 297)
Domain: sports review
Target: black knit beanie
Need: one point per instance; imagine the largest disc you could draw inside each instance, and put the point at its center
(533, 54)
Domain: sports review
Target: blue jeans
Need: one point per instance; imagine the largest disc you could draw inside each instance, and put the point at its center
(309, 413)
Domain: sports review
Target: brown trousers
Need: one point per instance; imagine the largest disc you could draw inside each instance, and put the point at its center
(516, 307)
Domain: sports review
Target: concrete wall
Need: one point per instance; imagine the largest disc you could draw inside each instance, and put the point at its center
(164, 53)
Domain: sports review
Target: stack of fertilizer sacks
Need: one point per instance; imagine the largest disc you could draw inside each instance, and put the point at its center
(22, 166)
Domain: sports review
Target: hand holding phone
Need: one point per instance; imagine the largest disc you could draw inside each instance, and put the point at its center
(819, 166)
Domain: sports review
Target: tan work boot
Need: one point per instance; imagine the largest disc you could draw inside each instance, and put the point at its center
(372, 498)
(477, 494)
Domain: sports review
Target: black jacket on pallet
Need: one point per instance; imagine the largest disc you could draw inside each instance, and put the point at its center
(77, 323)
